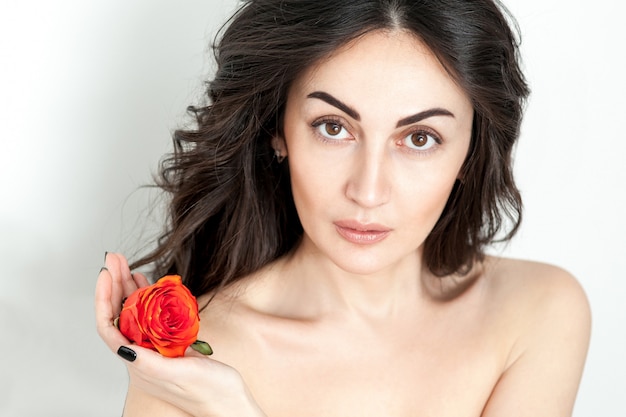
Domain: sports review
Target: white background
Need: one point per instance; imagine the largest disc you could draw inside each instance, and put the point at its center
(89, 92)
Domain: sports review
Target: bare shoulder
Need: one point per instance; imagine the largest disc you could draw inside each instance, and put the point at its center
(545, 313)
(537, 297)
(535, 286)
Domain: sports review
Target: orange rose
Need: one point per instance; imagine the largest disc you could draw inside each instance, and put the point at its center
(163, 317)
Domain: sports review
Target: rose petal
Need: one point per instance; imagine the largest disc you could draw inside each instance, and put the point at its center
(163, 317)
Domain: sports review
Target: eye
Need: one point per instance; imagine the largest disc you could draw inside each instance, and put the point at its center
(332, 130)
(421, 140)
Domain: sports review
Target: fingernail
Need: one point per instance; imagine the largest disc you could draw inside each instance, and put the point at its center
(127, 353)
(105, 256)
(104, 268)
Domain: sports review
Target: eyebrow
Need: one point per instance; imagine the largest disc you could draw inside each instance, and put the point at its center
(336, 103)
(437, 111)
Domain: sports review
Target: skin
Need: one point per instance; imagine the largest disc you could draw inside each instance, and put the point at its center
(344, 327)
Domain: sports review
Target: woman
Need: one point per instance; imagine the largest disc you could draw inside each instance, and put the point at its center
(331, 211)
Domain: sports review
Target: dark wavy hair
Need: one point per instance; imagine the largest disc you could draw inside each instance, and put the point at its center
(231, 210)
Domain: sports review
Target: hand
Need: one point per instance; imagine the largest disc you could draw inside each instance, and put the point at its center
(196, 384)
(115, 283)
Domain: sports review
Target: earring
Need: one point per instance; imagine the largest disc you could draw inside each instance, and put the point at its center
(279, 157)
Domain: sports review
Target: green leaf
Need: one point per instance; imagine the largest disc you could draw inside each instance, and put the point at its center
(202, 347)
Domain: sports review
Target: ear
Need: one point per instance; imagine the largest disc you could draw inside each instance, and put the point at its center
(280, 146)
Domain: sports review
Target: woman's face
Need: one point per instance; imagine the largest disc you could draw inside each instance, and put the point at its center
(376, 136)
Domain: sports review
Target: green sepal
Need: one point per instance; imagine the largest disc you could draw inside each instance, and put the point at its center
(202, 347)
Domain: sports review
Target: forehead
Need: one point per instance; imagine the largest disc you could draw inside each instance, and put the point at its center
(383, 67)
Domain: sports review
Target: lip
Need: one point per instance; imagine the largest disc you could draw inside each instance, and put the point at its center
(361, 233)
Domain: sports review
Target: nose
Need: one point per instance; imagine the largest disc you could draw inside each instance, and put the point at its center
(369, 183)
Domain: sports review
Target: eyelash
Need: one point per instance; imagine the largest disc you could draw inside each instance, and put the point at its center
(328, 120)
(416, 130)
(422, 131)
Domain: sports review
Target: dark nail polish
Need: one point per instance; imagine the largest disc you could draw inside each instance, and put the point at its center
(127, 353)
(105, 256)
(104, 268)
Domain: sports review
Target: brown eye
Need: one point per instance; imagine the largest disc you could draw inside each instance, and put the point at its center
(332, 129)
(421, 140)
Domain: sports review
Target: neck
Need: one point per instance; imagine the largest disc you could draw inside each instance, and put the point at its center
(319, 284)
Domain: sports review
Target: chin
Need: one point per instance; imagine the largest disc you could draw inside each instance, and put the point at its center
(362, 264)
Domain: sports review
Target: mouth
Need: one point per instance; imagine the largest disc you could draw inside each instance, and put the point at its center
(360, 233)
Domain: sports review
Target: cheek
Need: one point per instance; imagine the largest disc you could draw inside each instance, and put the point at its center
(309, 183)
(314, 170)
(425, 200)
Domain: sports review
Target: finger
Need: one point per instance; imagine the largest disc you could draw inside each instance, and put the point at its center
(140, 280)
(123, 282)
(163, 371)
(117, 291)
(122, 278)
(128, 283)
(183, 381)
(165, 378)
(105, 312)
